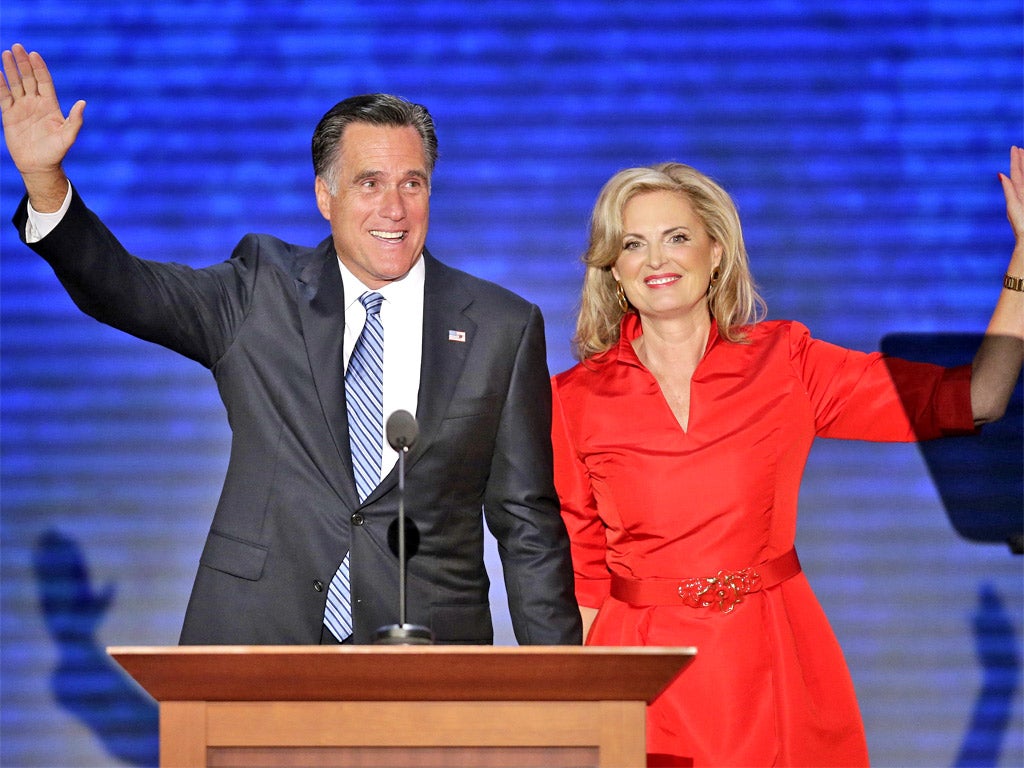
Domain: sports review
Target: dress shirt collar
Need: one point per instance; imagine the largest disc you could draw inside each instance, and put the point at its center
(395, 293)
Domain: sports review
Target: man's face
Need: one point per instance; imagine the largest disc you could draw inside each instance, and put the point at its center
(380, 210)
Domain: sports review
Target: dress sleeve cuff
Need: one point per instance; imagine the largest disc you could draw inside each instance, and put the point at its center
(953, 412)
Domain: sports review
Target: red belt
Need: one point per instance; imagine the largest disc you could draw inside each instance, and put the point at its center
(723, 591)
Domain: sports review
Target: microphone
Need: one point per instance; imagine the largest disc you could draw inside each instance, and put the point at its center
(401, 431)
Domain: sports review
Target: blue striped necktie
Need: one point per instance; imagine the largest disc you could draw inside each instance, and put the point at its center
(364, 394)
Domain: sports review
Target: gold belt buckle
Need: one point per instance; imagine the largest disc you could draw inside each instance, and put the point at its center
(724, 591)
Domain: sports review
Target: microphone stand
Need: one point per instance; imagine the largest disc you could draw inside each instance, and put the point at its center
(402, 633)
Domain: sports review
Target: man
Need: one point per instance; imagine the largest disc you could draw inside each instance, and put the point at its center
(295, 533)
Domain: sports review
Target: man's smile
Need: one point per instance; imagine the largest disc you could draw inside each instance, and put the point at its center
(392, 237)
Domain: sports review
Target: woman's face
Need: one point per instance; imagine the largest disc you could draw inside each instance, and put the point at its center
(666, 256)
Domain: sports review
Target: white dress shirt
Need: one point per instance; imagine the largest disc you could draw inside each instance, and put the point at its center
(401, 316)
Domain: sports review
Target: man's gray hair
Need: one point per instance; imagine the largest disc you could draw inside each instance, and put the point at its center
(380, 109)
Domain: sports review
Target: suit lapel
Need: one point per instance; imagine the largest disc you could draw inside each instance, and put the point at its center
(448, 336)
(322, 311)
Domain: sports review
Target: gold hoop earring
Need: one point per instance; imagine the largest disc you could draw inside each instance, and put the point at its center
(620, 296)
(715, 274)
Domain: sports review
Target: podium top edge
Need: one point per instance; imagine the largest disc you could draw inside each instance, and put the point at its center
(467, 650)
(402, 673)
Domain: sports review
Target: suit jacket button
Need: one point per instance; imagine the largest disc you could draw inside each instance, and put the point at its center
(318, 585)
(357, 519)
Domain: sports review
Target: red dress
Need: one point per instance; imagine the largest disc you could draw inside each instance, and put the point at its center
(645, 500)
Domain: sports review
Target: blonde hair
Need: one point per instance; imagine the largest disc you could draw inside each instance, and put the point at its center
(733, 301)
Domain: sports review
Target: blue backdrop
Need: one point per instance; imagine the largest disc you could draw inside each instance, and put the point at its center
(861, 141)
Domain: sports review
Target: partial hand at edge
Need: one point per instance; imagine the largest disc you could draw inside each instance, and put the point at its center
(1013, 188)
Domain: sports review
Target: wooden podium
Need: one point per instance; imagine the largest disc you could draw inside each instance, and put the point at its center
(402, 705)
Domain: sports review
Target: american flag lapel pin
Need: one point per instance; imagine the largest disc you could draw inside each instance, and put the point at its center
(457, 336)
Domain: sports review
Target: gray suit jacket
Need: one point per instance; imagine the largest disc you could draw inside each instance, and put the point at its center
(269, 325)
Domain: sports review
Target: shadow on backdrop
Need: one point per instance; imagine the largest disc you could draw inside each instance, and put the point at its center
(998, 649)
(980, 478)
(86, 681)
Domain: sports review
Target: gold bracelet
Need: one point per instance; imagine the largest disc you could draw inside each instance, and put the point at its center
(1013, 283)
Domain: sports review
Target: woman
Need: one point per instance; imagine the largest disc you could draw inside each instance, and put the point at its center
(680, 440)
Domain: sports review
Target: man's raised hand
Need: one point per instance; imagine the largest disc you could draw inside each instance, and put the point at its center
(38, 135)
